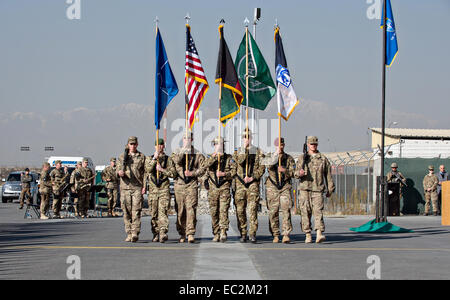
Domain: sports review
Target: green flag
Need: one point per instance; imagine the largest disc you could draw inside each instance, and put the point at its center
(261, 87)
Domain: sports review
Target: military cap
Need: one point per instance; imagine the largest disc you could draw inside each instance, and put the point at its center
(27, 170)
(217, 141)
(78, 163)
(57, 162)
(132, 140)
(46, 164)
(112, 159)
(159, 142)
(244, 133)
(312, 140)
(85, 159)
(431, 168)
(281, 139)
(394, 165)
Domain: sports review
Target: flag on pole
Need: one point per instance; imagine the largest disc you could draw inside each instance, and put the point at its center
(226, 77)
(195, 78)
(391, 36)
(261, 87)
(287, 100)
(165, 85)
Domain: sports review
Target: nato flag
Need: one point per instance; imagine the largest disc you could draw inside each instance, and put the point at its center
(165, 85)
(391, 36)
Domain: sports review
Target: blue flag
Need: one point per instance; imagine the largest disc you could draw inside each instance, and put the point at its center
(165, 85)
(391, 36)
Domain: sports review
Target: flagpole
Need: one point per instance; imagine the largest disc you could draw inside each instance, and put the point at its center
(246, 91)
(187, 18)
(157, 130)
(383, 119)
(279, 147)
(220, 112)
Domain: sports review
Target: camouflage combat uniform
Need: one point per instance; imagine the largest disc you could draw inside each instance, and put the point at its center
(58, 178)
(159, 192)
(73, 183)
(391, 178)
(109, 175)
(26, 184)
(431, 181)
(247, 194)
(131, 184)
(312, 186)
(279, 193)
(186, 189)
(45, 189)
(84, 177)
(219, 196)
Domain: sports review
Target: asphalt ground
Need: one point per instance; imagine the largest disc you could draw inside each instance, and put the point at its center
(39, 249)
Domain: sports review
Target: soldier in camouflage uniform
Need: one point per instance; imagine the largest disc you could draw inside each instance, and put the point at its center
(58, 178)
(159, 190)
(249, 170)
(85, 179)
(73, 183)
(109, 175)
(315, 178)
(279, 191)
(45, 189)
(130, 168)
(430, 184)
(26, 180)
(219, 182)
(396, 177)
(188, 173)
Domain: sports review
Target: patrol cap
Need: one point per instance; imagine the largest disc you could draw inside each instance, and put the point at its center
(431, 168)
(132, 140)
(57, 162)
(78, 163)
(244, 133)
(46, 164)
(112, 159)
(394, 165)
(85, 160)
(217, 141)
(276, 141)
(159, 142)
(312, 140)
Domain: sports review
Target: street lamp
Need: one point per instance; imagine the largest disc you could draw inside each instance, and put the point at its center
(392, 123)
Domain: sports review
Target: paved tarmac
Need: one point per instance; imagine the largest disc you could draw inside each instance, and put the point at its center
(38, 249)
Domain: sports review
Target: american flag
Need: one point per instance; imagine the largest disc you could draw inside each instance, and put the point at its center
(195, 78)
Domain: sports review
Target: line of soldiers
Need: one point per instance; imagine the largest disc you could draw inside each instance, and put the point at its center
(222, 175)
(53, 183)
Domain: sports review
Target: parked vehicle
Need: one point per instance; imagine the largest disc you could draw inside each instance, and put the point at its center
(13, 187)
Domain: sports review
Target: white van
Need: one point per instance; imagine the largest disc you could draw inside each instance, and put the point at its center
(69, 161)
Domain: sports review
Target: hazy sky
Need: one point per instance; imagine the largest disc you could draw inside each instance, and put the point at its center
(51, 66)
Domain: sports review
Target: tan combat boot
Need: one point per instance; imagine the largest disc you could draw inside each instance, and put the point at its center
(43, 217)
(155, 238)
(286, 239)
(128, 239)
(182, 239)
(320, 237)
(216, 238)
(113, 213)
(223, 236)
(276, 239)
(191, 238)
(308, 239)
(163, 237)
(134, 238)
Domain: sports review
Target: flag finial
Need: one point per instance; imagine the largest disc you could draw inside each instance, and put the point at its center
(187, 18)
(246, 22)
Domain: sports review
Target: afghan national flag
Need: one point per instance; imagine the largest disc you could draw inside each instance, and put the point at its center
(287, 100)
(226, 76)
(261, 87)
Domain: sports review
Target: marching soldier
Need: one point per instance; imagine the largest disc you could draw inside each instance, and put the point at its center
(73, 183)
(278, 190)
(58, 178)
(85, 179)
(249, 170)
(430, 184)
(26, 180)
(188, 172)
(130, 168)
(158, 169)
(314, 173)
(219, 178)
(109, 175)
(45, 189)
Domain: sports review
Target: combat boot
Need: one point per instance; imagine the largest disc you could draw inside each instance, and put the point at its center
(320, 237)
(155, 238)
(163, 237)
(276, 239)
(253, 239)
(109, 213)
(191, 238)
(286, 239)
(182, 239)
(223, 236)
(113, 213)
(43, 217)
(435, 213)
(128, 239)
(308, 239)
(425, 214)
(134, 238)
(243, 238)
(216, 237)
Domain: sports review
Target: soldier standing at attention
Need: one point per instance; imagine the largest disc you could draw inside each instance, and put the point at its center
(278, 191)
(158, 169)
(130, 168)
(219, 182)
(26, 180)
(58, 178)
(314, 173)
(109, 175)
(45, 189)
(85, 178)
(186, 187)
(249, 170)
(442, 176)
(430, 184)
(73, 183)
